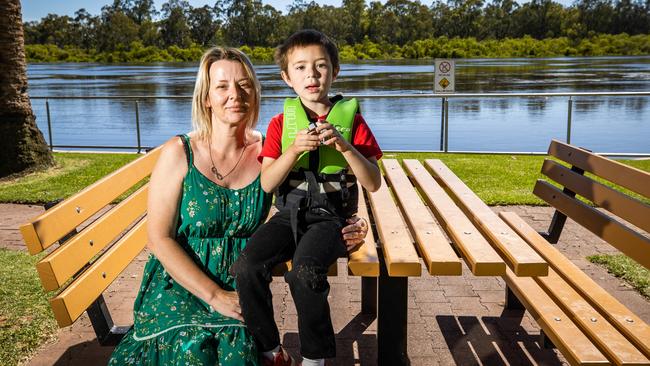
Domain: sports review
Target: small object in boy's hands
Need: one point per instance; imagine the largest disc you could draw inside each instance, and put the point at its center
(312, 128)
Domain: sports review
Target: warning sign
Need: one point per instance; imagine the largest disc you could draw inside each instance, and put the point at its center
(443, 82)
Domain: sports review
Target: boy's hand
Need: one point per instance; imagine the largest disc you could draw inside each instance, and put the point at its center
(331, 137)
(355, 232)
(305, 141)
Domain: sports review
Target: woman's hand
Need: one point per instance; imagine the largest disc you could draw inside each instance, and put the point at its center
(355, 233)
(226, 303)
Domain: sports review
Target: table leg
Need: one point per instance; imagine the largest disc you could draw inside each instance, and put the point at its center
(369, 295)
(392, 319)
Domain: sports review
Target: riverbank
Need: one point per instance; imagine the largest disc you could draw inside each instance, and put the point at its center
(441, 47)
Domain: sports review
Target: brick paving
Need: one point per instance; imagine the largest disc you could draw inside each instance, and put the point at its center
(451, 320)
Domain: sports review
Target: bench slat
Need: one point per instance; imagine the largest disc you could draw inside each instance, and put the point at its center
(435, 249)
(622, 205)
(364, 261)
(633, 327)
(75, 299)
(612, 343)
(400, 256)
(518, 255)
(633, 244)
(479, 255)
(557, 325)
(626, 176)
(68, 259)
(45, 229)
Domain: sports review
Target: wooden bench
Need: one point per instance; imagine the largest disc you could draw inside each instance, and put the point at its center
(587, 324)
(86, 262)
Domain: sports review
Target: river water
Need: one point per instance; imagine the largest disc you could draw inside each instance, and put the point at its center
(603, 124)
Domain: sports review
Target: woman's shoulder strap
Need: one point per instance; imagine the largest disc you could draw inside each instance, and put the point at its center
(188, 148)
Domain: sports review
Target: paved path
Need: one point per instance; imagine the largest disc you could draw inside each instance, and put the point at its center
(452, 320)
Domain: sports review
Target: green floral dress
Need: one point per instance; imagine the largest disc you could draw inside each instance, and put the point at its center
(172, 326)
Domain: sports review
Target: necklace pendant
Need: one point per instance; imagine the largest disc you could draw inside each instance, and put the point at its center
(216, 173)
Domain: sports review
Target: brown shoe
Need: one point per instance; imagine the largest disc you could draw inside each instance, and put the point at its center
(282, 358)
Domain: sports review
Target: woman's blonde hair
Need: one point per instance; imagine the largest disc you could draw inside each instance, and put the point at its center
(201, 114)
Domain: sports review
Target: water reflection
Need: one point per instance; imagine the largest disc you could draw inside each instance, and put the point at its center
(507, 124)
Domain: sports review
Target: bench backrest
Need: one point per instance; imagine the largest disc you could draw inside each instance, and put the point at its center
(614, 230)
(86, 263)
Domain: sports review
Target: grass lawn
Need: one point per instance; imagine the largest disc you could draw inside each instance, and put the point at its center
(73, 172)
(26, 321)
(497, 179)
(630, 271)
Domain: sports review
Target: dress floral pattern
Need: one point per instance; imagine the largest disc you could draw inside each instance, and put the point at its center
(173, 327)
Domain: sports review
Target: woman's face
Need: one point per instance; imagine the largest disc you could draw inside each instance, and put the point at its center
(231, 95)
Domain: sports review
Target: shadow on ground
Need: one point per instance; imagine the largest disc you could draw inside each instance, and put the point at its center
(493, 341)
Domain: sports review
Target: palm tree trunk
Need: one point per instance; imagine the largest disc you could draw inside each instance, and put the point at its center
(22, 146)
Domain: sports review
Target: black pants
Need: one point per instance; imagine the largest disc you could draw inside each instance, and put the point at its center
(319, 245)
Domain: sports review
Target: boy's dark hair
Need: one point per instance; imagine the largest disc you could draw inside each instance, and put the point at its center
(303, 38)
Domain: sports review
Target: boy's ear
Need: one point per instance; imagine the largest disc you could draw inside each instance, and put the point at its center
(336, 73)
(285, 77)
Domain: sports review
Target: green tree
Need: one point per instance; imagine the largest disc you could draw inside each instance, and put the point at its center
(86, 28)
(596, 15)
(203, 25)
(140, 10)
(539, 19)
(354, 13)
(399, 21)
(631, 17)
(55, 29)
(498, 20)
(174, 28)
(117, 30)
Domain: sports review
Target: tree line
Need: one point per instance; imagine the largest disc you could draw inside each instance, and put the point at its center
(177, 27)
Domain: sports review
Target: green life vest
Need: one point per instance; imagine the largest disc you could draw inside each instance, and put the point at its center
(341, 115)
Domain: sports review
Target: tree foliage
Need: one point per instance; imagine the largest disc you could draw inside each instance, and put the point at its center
(124, 24)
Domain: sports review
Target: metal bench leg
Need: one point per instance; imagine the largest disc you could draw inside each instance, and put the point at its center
(512, 302)
(544, 341)
(108, 334)
(392, 319)
(559, 219)
(369, 295)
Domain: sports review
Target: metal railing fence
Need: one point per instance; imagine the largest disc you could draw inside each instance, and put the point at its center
(444, 112)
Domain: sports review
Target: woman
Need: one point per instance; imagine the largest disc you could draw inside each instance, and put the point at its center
(205, 200)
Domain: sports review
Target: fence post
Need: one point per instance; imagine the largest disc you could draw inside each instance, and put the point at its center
(568, 121)
(137, 124)
(442, 123)
(49, 123)
(446, 125)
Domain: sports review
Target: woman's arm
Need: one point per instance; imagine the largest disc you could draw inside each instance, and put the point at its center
(165, 189)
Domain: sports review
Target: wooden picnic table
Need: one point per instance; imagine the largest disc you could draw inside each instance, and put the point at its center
(423, 213)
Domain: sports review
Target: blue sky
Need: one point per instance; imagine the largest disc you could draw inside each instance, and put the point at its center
(36, 9)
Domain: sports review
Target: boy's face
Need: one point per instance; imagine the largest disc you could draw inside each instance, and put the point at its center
(310, 73)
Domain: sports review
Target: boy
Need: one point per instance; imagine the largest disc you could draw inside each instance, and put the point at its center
(307, 162)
